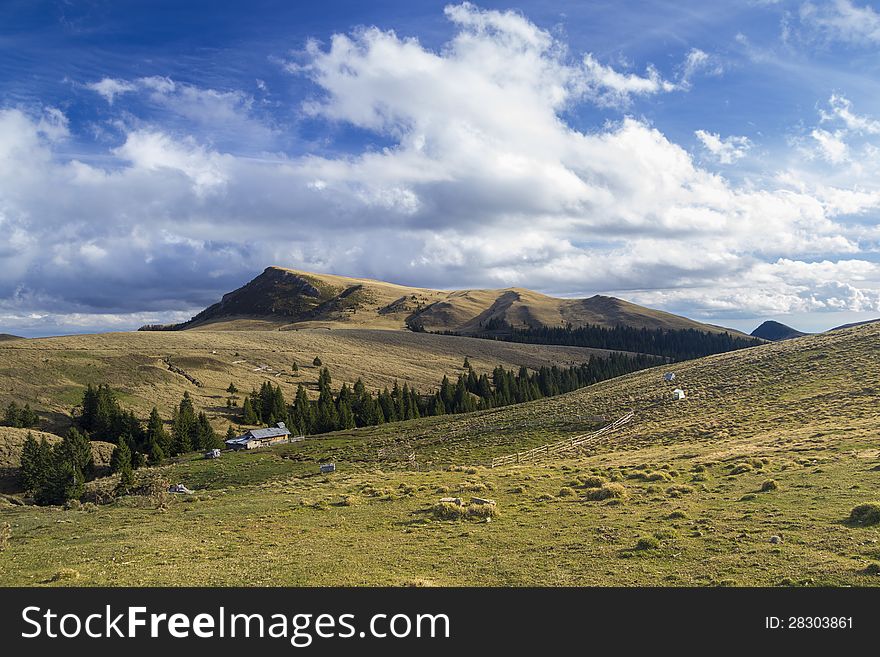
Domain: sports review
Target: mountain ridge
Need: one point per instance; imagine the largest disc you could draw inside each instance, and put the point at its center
(288, 299)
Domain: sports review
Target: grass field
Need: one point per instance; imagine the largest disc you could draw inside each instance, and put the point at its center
(749, 481)
(51, 373)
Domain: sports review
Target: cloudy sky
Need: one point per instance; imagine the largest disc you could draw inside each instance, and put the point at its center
(718, 160)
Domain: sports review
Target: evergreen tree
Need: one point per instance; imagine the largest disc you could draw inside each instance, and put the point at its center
(232, 390)
(75, 449)
(230, 433)
(35, 463)
(295, 367)
(207, 438)
(121, 457)
(120, 462)
(156, 434)
(156, 453)
(317, 362)
(248, 416)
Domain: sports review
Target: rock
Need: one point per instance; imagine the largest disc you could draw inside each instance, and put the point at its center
(451, 500)
(480, 500)
(775, 539)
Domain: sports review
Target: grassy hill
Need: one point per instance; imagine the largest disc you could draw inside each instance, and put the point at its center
(11, 442)
(748, 481)
(51, 373)
(286, 298)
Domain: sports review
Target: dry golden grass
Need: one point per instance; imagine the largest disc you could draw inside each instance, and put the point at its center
(51, 373)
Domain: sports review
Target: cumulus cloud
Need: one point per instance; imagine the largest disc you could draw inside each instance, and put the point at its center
(482, 182)
(726, 151)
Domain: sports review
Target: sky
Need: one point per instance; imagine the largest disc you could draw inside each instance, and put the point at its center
(716, 160)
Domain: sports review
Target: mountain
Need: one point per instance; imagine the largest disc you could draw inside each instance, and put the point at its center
(846, 326)
(286, 299)
(775, 331)
(8, 336)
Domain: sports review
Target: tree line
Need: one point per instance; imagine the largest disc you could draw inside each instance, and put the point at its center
(357, 407)
(674, 344)
(56, 474)
(19, 417)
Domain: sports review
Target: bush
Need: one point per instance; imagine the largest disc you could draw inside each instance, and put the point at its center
(679, 490)
(865, 514)
(657, 475)
(606, 491)
(770, 484)
(5, 535)
(741, 468)
(566, 491)
(482, 511)
(677, 515)
(647, 543)
(592, 481)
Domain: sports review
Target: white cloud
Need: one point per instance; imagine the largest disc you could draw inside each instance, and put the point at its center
(843, 20)
(726, 151)
(482, 183)
(841, 109)
(109, 88)
(614, 88)
(831, 145)
(698, 62)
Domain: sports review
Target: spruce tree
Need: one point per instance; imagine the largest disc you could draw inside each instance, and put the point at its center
(156, 433)
(34, 464)
(76, 449)
(317, 362)
(248, 416)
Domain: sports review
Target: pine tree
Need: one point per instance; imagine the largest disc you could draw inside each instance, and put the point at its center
(207, 437)
(75, 449)
(248, 416)
(317, 362)
(295, 367)
(156, 453)
(34, 463)
(120, 458)
(120, 462)
(230, 433)
(232, 390)
(156, 433)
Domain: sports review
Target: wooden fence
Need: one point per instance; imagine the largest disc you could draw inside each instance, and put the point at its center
(552, 449)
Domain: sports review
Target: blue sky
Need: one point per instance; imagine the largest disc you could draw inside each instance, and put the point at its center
(718, 160)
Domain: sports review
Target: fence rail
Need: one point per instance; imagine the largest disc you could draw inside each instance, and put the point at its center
(551, 449)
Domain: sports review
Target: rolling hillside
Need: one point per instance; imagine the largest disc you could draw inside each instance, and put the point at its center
(51, 373)
(751, 480)
(285, 299)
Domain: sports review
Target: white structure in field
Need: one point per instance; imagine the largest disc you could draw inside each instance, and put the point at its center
(677, 394)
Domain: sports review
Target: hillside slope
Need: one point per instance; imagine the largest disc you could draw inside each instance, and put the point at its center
(51, 373)
(286, 298)
(748, 481)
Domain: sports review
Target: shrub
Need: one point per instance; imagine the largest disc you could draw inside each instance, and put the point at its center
(442, 489)
(677, 515)
(64, 573)
(349, 500)
(482, 511)
(770, 484)
(593, 481)
(647, 543)
(5, 535)
(865, 514)
(741, 468)
(679, 490)
(566, 491)
(606, 491)
(517, 490)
